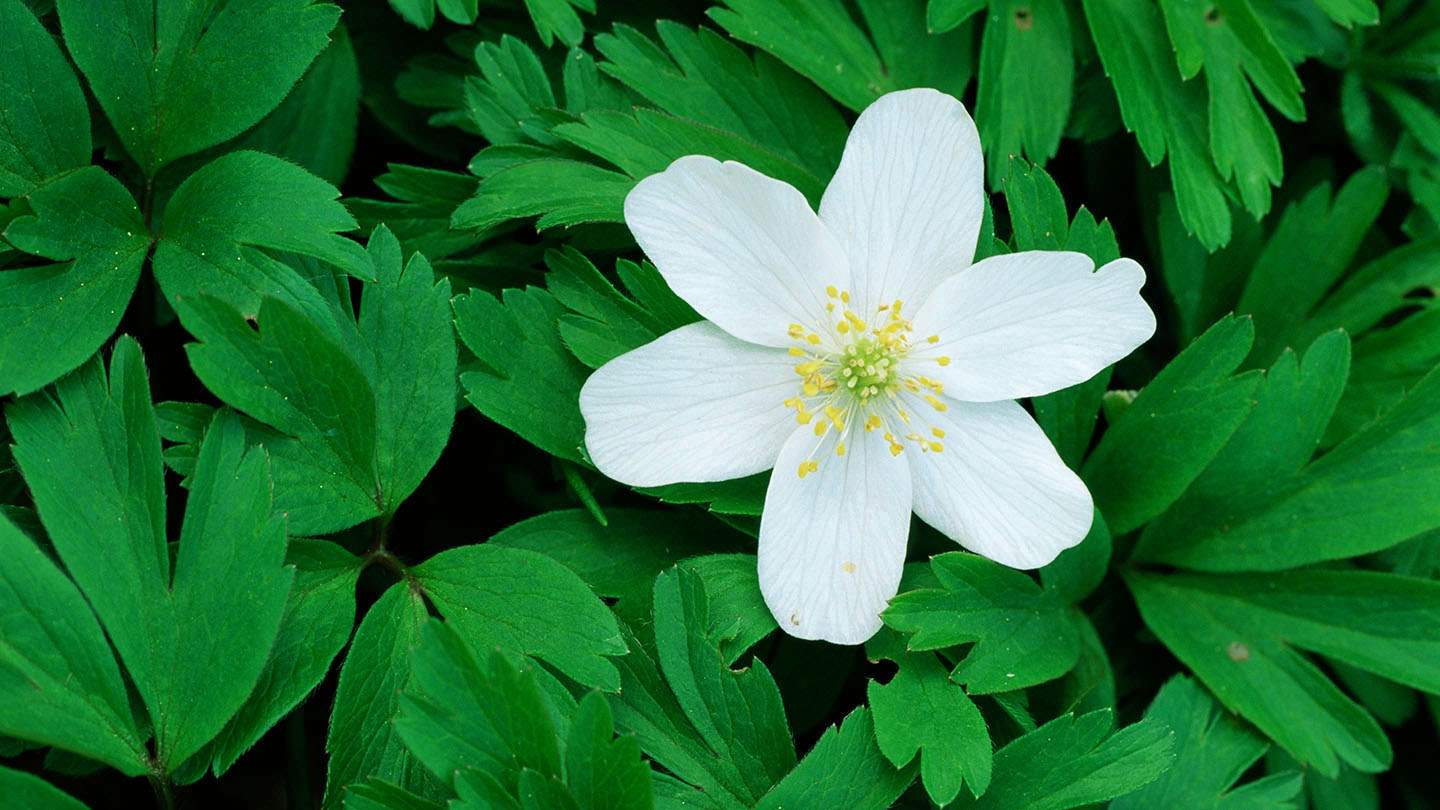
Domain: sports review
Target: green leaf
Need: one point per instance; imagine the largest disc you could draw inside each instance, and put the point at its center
(57, 672)
(1212, 751)
(606, 323)
(421, 217)
(557, 19)
(458, 714)
(1079, 570)
(1038, 220)
(703, 77)
(821, 41)
(921, 711)
(319, 616)
(738, 714)
(24, 791)
(362, 742)
(1162, 111)
(559, 192)
(619, 560)
(602, 771)
(96, 443)
(377, 794)
(844, 769)
(53, 317)
(315, 125)
(1254, 470)
(1177, 424)
(1315, 233)
(1352, 500)
(46, 126)
(943, 15)
(1251, 667)
(531, 382)
(1026, 81)
(738, 615)
(1073, 761)
(363, 408)
(524, 602)
(1022, 635)
(218, 220)
(155, 69)
(293, 377)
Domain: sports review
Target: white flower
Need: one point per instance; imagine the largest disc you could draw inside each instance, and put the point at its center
(869, 326)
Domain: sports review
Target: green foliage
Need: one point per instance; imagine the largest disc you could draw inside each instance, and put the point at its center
(1211, 752)
(157, 85)
(198, 174)
(88, 224)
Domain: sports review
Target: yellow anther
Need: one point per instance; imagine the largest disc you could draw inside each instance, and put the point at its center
(855, 321)
(813, 339)
(806, 369)
(882, 308)
(896, 448)
(939, 434)
(810, 388)
(807, 467)
(935, 403)
(842, 327)
(873, 421)
(933, 339)
(904, 417)
(803, 416)
(944, 361)
(840, 449)
(895, 308)
(829, 306)
(794, 402)
(936, 447)
(821, 427)
(796, 351)
(828, 386)
(831, 291)
(845, 296)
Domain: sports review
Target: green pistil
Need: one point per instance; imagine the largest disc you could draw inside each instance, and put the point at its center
(868, 369)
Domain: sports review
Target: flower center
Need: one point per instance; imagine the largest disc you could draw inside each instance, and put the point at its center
(854, 373)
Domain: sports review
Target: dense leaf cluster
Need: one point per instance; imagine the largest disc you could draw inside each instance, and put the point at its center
(295, 307)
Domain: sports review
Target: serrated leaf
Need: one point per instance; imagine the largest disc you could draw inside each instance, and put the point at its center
(1022, 635)
(701, 76)
(377, 794)
(737, 611)
(921, 711)
(821, 41)
(606, 323)
(420, 218)
(602, 771)
(228, 564)
(531, 383)
(155, 69)
(362, 742)
(319, 616)
(617, 560)
(1352, 500)
(24, 791)
(1255, 468)
(556, 19)
(524, 602)
(217, 221)
(46, 126)
(559, 192)
(1073, 761)
(362, 408)
(315, 125)
(53, 317)
(1315, 233)
(1212, 751)
(844, 769)
(1249, 665)
(58, 677)
(1162, 111)
(457, 713)
(1177, 424)
(1025, 82)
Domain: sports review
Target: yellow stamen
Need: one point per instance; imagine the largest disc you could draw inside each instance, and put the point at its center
(796, 351)
(935, 403)
(933, 339)
(939, 434)
(807, 467)
(936, 447)
(840, 449)
(944, 361)
(831, 291)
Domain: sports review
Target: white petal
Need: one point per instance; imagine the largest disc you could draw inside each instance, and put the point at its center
(999, 488)
(692, 405)
(907, 200)
(743, 249)
(832, 544)
(1025, 324)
